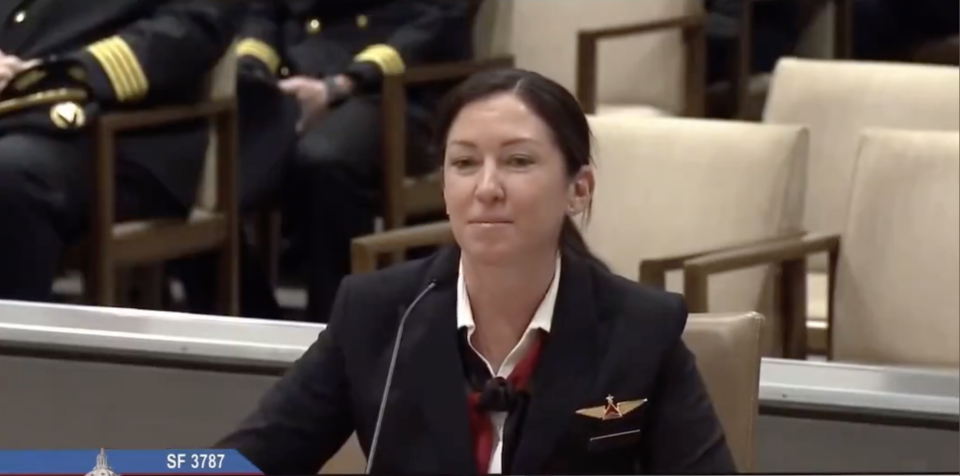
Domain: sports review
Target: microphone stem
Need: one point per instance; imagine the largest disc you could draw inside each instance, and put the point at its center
(389, 380)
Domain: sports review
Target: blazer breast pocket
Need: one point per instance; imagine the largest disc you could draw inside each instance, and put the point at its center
(615, 425)
(614, 441)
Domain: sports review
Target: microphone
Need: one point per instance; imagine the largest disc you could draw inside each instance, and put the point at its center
(390, 370)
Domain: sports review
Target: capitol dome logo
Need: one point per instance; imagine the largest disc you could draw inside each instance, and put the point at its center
(102, 468)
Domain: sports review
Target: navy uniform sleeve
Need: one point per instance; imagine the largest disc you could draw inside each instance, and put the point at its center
(176, 45)
(258, 45)
(685, 436)
(305, 418)
(411, 43)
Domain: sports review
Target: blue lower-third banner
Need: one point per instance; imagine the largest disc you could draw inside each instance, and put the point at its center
(125, 462)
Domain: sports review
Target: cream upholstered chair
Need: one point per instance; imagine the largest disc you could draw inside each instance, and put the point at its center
(835, 100)
(896, 298)
(896, 263)
(637, 74)
(212, 225)
(727, 350)
(670, 189)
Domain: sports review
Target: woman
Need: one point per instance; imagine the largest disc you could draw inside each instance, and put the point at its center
(611, 389)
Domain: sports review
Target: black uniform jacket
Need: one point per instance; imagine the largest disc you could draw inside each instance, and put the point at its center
(111, 55)
(610, 337)
(364, 39)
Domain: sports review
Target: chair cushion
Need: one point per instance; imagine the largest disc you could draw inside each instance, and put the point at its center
(817, 296)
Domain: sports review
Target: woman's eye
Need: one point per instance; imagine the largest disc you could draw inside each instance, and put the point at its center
(461, 162)
(519, 161)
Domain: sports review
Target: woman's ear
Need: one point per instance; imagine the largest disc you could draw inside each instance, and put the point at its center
(581, 191)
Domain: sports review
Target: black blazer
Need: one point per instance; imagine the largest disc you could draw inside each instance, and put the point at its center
(609, 336)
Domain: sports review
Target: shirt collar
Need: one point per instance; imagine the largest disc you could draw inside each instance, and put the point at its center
(542, 318)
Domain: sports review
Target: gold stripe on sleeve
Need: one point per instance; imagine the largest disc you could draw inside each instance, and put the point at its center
(261, 51)
(122, 67)
(386, 57)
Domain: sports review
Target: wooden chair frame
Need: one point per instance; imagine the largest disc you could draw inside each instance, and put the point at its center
(111, 246)
(694, 38)
(790, 256)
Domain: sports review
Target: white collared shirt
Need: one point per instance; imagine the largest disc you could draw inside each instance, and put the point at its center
(542, 319)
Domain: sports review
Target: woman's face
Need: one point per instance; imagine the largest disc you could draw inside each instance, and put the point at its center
(505, 183)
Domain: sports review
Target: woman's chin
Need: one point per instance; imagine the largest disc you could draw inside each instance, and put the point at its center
(489, 253)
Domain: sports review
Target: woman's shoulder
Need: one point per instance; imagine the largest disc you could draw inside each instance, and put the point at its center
(389, 286)
(639, 307)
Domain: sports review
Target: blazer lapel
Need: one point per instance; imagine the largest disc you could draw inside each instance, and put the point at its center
(434, 372)
(567, 368)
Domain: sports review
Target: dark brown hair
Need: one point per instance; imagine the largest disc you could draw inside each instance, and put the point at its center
(553, 104)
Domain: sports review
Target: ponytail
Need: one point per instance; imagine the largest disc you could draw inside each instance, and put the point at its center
(571, 241)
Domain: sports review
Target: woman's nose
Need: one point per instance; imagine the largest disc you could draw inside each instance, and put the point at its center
(489, 188)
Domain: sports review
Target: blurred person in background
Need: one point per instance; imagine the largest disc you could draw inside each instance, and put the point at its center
(309, 80)
(891, 29)
(777, 27)
(61, 65)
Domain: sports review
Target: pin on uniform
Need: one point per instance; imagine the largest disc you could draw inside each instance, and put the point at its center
(612, 410)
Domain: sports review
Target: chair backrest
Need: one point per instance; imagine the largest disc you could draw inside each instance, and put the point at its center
(818, 39)
(222, 84)
(837, 99)
(668, 187)
(493, 29)
(542, 36)
(896, 296)
(727, 349)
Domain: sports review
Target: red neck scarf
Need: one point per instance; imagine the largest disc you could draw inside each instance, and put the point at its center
(481, 428)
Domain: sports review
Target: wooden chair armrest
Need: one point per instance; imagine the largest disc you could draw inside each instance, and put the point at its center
(764, 253)
(640, 28)
(692, 27)
(653, 271)
(789, 255)
(221, 111)
(453, 71)
(366, 249)
(132, 120)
